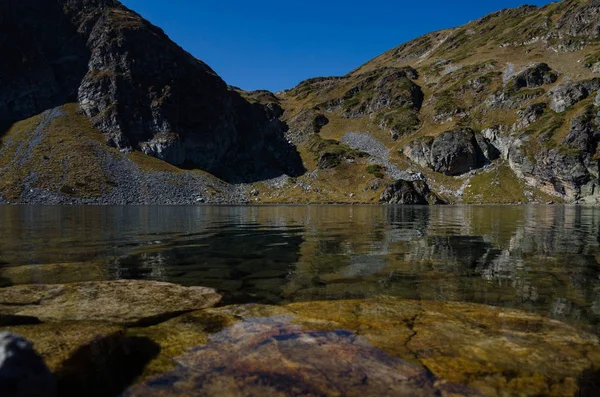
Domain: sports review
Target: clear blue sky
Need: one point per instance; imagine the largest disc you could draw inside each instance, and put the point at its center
(268, 44)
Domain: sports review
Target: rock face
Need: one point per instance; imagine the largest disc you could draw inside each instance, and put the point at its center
(291, 361)
(570, 172)
(141, 89)
(120, 302)
(23, 373)
(454, 152)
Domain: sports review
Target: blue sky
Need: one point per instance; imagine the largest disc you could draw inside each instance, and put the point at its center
(267, 44)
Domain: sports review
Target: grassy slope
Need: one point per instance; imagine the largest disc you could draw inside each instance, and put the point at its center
(64, 156)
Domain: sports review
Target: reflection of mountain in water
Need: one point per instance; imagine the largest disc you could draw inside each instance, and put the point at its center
(545, 259)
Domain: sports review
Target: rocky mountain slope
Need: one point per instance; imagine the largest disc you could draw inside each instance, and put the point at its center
(100, 106)
(139, 89)
(503, 109)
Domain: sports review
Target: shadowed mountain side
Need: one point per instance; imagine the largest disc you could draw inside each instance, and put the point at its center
(139, 88)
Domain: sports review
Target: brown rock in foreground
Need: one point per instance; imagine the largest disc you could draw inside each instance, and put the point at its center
(272, 357)
(498, 351)
(121, 302)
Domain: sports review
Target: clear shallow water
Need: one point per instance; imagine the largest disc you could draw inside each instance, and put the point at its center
(544, 259)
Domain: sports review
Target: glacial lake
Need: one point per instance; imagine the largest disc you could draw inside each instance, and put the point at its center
(542, 259)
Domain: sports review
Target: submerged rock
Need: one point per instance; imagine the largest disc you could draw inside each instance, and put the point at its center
(22, 371)
(273, 357)
(121, 302)
(498, 351)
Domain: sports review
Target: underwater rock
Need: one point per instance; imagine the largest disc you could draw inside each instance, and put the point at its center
(498, 351)
(121, 302)
(273, 357)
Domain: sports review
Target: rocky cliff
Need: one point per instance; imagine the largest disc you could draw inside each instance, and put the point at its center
(139, 88)
(505, 109)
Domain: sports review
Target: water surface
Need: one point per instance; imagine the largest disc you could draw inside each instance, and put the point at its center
(543, 259)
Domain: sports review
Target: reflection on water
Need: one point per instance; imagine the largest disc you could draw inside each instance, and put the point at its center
(544, 259)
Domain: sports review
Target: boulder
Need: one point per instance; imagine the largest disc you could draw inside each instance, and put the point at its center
(566, 95)
(409, 193)
(120, 302)
(453, 152)
(456, 152)
(534, 76)
(582, 133)
(23, 372)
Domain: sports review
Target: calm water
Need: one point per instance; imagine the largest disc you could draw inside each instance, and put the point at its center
(540, 259)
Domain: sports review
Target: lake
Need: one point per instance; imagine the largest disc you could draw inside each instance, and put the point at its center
(542, 259)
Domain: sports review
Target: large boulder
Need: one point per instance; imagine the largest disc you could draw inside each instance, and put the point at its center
(453, 152)
(23, 372)
(122, 302)
(534, 76)
(409, 193)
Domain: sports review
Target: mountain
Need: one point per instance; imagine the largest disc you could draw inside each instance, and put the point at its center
(101, 106)
(138, 89)
(504, 109)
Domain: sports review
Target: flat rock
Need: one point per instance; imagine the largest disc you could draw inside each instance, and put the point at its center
(273, 357)
(500, 352)
(121, 302)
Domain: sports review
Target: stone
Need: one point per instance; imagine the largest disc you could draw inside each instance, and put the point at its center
(456, 152)
(566, 95)
(274, 357)
(529, 115)
(497, 351)
(23, 372)
(534, 76)
(581, 133)
(453, 152)
(121, 302)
